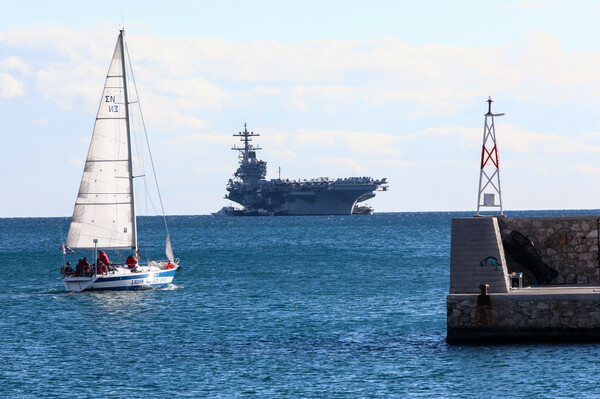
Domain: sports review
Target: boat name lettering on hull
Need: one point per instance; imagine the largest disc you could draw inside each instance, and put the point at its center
(154, 280)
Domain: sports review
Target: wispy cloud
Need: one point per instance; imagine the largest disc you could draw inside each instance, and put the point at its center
(528, 4)
(202, 137)
(40, 122)
(213, 170)
(364, 143)
(10, 87)
(202, 74)
(587, 169)
(194, 92)
(13, 63)
(514, 138)
(173, 120)
(76, 162)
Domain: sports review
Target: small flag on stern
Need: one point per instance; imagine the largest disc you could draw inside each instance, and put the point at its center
(66, 250)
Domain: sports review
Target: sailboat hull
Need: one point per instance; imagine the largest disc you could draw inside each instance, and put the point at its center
(121, 281)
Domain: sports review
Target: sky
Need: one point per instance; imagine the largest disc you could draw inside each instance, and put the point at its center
(393, 89)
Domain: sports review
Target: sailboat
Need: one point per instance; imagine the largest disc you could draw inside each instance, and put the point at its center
(104, 216)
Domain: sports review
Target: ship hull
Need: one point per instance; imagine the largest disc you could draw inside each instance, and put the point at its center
(282, 200)
(332, 201)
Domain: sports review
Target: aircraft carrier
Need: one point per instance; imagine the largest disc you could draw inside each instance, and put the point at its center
(319, 196)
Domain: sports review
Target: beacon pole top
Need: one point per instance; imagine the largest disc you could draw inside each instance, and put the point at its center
(489, 113)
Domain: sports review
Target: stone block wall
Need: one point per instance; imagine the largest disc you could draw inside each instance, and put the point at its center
(568, 245)
(517, 317)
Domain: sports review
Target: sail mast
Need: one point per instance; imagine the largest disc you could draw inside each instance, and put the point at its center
(130, 157)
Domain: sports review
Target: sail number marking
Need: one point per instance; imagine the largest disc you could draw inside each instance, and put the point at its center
(111, 108)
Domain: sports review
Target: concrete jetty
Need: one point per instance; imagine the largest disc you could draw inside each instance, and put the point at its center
(485, 303)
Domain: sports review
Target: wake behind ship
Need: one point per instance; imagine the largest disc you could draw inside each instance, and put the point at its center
(319, 196)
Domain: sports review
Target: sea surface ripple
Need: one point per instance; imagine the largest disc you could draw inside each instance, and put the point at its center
(320, 307)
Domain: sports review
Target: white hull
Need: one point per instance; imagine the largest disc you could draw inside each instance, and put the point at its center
(141, 278)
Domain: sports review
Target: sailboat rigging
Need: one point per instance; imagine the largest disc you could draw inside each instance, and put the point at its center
(104, 215)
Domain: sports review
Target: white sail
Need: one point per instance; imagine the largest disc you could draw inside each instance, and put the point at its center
(169, 250)
(103, 209)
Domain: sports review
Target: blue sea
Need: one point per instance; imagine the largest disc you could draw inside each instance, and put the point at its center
(271, 307)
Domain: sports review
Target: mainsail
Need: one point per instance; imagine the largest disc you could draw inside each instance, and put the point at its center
(104, 207)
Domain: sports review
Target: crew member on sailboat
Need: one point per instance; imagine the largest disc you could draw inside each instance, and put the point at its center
(131, 261)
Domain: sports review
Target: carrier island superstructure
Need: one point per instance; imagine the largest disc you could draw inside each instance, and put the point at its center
(319, 196)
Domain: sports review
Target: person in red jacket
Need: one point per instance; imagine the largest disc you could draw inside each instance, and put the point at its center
(103, 262)
(103, 257)
(131, 261)
(83, 267)
(79, 267)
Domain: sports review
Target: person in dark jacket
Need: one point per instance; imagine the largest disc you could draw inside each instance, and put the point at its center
(68, 269)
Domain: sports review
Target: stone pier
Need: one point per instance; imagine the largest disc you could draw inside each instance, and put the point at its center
(484, 305)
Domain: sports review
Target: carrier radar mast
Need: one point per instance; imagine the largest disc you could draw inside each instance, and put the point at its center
(251, 170)
(245, 152)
